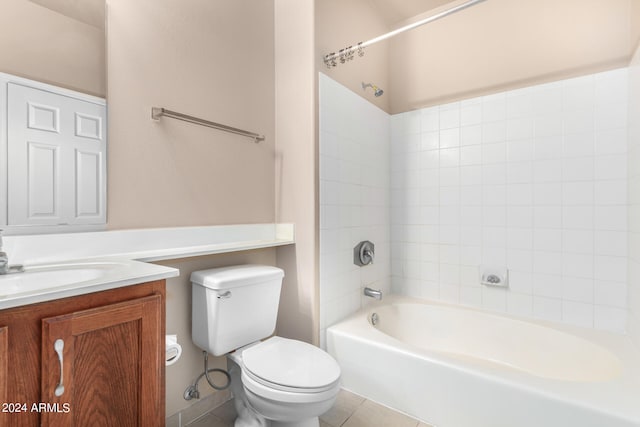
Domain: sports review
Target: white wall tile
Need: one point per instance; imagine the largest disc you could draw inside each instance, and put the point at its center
(577, 265)
(520, 216)
(613, 294)
(578, 144)
(577, 313)
(579, 120)
(520, 194)
(577, 217)
(547, 217)
(578, 193)
(430, 119)
(610, 318)
(578, 241)
(450, 117)
(578, 289)
(520, 150)
(549, 170)
(533, 179)
(430, 141)
(471, 135)
(578, 169)
(548, 125)
(450, 137)
(519, 304)
(470, 155)
(612, 243)
(611, 167)
(611, 116)
(611, 142)
(610, 217)
(470, 115)
(548, 147)
(547, 308)
(494, 107)
(547, 193)
(494, 131)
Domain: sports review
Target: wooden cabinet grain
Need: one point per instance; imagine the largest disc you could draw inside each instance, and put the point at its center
(112, 360)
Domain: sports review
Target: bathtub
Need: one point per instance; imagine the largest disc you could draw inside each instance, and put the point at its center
(456, 367)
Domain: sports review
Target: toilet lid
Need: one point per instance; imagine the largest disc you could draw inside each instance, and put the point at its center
(291, 363)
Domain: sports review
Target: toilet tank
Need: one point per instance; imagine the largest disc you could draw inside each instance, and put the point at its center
(234, 306)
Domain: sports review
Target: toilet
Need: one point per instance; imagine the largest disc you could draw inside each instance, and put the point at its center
(275, 381)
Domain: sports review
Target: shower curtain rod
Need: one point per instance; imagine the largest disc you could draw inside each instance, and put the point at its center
(347, 54)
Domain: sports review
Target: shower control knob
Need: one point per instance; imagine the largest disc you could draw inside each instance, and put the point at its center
(364, 253)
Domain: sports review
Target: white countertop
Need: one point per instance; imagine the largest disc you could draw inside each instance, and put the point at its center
(70, 264)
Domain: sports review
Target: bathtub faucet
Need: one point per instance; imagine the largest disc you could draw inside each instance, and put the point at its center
(373, 293)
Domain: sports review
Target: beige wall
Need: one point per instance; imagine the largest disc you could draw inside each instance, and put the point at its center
(502, 44)
(340, 24)
(210, 59)
(296, 166)
(43, 45)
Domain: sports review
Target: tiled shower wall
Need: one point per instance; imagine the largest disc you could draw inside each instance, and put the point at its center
(634, 199)
(354, 199)
(533, 180)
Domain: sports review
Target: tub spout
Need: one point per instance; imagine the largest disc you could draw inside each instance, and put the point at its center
(373, 293)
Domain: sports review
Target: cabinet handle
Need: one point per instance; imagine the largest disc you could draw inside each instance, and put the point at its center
(58, 346)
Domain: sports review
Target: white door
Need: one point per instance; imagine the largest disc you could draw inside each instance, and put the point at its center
(57, 158)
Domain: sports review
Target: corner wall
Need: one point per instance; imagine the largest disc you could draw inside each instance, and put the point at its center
(296, 166)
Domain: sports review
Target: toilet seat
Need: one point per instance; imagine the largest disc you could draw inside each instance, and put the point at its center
(290, 366)
(288, 397)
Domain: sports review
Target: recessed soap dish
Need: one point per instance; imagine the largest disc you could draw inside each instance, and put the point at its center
(495, 277)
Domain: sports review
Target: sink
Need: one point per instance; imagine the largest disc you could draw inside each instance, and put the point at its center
(44, 278)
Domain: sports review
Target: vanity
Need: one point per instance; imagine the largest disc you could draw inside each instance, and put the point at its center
(82, 328)
(96, 359)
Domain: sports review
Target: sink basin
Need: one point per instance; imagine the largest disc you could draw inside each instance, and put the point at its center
(53, 277)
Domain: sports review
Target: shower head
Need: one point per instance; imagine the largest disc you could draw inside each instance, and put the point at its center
(376, 90)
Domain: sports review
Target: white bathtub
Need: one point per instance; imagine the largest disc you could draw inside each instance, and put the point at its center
(458, 367)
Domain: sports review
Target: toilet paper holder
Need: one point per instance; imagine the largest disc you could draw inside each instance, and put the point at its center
(173, 350)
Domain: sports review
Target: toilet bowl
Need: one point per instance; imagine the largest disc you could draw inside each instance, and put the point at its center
(282, 382)
(277, 382)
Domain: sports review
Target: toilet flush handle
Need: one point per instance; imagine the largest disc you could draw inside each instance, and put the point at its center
(224, 295)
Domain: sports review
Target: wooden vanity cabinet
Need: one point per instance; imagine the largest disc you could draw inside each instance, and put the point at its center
(113, 360)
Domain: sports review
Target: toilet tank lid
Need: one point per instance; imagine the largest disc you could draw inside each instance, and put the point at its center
(236, 276)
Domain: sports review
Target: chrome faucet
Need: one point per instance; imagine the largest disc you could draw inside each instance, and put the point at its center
(373, 293)
(5, 268)
(4, 263)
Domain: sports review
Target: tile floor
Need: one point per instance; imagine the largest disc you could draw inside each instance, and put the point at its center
(350, 410)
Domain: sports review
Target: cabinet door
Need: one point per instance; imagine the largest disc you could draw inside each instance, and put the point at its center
(57, 158)
(4, 363)
(109, 363)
